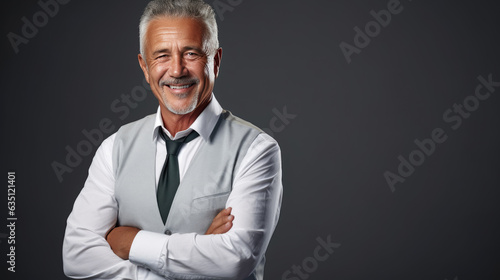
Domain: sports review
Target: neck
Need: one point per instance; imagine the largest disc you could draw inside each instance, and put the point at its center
(175, 123)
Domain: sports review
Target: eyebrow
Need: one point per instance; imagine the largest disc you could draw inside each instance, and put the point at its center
(160, 51)
(186, 48)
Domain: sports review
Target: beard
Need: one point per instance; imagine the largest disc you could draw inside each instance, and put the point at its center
(182, 111)
(194, 100)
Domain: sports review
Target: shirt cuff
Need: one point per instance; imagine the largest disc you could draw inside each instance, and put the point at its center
(147, 249)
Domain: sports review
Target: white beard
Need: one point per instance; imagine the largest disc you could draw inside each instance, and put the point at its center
(182, 111)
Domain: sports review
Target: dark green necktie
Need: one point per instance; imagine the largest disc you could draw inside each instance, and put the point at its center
(169, 177)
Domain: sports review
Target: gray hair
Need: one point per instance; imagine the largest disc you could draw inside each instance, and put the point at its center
(196, 9)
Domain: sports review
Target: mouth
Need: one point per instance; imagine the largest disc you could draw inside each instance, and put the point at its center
(180, 90)
(180, 86)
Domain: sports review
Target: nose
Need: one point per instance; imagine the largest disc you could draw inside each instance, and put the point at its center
(177, 68)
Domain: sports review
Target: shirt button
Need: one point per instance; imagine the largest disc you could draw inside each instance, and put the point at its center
(168, 232)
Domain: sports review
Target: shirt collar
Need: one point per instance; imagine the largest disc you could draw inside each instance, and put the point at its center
(204, 124)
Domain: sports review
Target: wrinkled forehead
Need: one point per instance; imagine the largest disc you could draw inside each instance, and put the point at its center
(175, 30)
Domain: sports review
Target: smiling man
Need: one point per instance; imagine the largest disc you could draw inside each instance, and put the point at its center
(191, 192)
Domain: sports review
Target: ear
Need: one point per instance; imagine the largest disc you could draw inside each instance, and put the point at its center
(144, 67)
(217, 60)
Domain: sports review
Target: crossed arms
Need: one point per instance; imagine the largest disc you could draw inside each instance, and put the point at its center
(226, 251)
(120, 238)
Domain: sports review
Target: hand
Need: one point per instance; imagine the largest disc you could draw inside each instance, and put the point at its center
(120, 239)
(222, 223)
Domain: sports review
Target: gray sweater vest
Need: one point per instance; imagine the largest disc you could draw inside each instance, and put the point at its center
(204, 189)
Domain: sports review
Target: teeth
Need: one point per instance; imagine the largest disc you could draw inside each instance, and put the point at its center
(179, 87)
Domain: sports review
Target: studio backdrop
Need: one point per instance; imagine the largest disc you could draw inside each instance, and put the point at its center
(386, 112)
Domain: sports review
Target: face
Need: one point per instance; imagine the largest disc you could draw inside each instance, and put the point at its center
(181, 74)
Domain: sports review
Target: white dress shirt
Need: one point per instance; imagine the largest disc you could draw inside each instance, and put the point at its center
(255, 200)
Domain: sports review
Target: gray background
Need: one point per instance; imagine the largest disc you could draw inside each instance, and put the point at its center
(352, 122)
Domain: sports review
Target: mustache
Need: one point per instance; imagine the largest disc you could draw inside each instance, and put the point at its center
(178, 81)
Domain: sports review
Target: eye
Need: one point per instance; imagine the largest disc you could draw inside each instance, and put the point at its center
(162, 57)
(192, 55)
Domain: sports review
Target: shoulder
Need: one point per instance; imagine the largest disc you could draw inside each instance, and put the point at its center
(262, 138)
(262, 142)
(131, 132)
(138, 124)
(227, 116)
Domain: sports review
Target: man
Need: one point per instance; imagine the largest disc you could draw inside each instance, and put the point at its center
(191, 192)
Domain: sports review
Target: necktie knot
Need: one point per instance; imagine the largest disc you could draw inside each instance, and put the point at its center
(173, 146)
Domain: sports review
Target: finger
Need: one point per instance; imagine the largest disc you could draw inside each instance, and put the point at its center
(224, 212)
(220, 222)
(223, 229)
